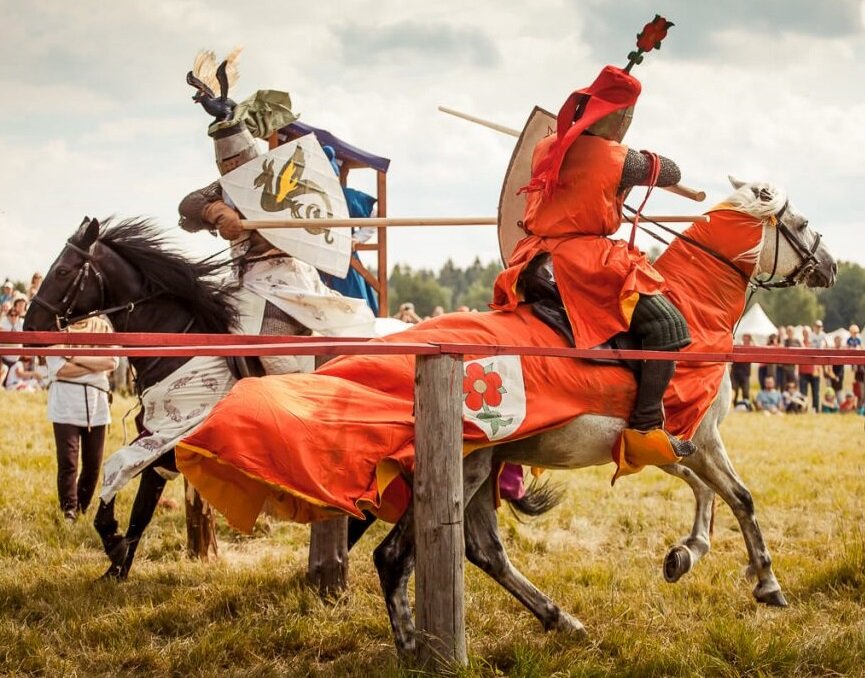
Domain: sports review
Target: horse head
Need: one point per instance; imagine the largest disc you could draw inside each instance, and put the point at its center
(791, 252)
(82, 281)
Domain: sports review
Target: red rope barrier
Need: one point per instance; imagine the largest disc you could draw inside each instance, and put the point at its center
(176, 345)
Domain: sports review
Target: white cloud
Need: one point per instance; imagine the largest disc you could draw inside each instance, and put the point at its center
(103, 122)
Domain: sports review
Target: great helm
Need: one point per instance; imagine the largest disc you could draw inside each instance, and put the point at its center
(235, 126)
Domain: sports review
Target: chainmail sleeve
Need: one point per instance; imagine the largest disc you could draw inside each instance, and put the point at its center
(191, 206)
(636, 170)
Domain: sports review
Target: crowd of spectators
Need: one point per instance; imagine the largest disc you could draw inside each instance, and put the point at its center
(786, 388)
(19, 373)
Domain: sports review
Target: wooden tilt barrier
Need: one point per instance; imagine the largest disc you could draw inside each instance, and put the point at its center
(437, 491)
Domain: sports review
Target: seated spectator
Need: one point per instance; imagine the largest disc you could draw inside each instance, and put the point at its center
(407, 313)
(23, 375)
(768, 399)
(848, 404)
(792, 400)
(829, 402)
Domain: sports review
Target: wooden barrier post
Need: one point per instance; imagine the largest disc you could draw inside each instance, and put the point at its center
(200, 525)
(328, 556)
(327, 567)
(438, 510)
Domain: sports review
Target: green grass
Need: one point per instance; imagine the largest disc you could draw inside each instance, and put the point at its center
(599, 555)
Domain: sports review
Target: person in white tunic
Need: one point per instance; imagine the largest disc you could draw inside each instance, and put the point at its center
(78, 407)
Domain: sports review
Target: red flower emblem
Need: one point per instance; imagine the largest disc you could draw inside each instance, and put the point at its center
(652, 34)
(482, 386)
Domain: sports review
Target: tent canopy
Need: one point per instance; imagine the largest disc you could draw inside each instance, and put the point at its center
(756, 323)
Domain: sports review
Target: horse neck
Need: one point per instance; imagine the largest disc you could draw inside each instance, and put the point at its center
(710, 293)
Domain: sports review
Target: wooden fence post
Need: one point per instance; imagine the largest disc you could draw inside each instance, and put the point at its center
(328, 556)
(438, 510)
(200, 525)
(327, 567)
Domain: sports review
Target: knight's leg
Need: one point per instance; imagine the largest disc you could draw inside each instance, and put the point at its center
(659, 326)
(713, 467)
(682, 558)
(485, 550)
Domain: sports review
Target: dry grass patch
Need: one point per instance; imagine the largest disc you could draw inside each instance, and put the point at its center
(599, 555)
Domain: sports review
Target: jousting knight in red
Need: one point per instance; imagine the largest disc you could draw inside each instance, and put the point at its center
(589, 287)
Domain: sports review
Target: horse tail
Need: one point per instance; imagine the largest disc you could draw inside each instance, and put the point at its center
(540, 497)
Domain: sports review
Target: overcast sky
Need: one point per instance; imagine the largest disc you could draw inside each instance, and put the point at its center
(97, 118)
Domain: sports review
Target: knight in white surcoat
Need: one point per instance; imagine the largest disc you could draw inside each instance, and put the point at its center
(280, 293)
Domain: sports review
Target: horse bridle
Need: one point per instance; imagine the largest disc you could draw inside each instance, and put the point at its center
(62, 312)
(807, 261)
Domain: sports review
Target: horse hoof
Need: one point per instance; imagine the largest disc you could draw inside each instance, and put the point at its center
(772, 598)
(677, 563)
(570, 626)
(113, 573)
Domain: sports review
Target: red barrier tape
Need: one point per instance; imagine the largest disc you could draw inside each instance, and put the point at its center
(177, 345)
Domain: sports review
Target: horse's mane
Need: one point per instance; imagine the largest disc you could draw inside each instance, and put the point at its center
(759, 199)
(202, 284)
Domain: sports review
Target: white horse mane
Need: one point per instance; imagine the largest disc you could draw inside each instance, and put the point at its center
(761, 200)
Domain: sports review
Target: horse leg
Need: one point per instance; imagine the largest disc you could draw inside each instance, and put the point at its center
(682, 558)
(713, 467)
(394, 558)
(146, 499)
(357, 528)
(112, 541)
(485, 550)
(119, 548)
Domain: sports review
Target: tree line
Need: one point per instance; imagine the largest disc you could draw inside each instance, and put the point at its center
(452, 287)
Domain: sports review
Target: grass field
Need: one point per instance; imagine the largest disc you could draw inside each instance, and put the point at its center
(599, 555)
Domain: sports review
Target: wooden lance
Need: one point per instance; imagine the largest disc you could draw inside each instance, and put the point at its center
(678, 189)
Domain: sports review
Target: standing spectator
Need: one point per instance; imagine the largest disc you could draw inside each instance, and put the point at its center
(35, 283)
(809, 375)
(854, 341)
(8, 292)
(787, 372)
(13, 321)
(768, 369)
(835, 373)
(78, 406)
(818, 336)
(768, 399)
(740, 376)
(792, 400)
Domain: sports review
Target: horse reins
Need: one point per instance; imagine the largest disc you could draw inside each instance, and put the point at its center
(807, 260)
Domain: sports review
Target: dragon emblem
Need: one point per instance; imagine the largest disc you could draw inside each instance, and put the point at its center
(290, 185)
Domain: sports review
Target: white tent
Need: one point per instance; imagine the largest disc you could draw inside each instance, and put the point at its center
(756, 323)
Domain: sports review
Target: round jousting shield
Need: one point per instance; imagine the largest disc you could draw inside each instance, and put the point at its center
(540, 124)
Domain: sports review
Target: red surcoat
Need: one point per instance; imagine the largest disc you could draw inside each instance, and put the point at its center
(599, 279)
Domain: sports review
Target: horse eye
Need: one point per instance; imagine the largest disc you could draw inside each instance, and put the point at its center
(62, 271)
